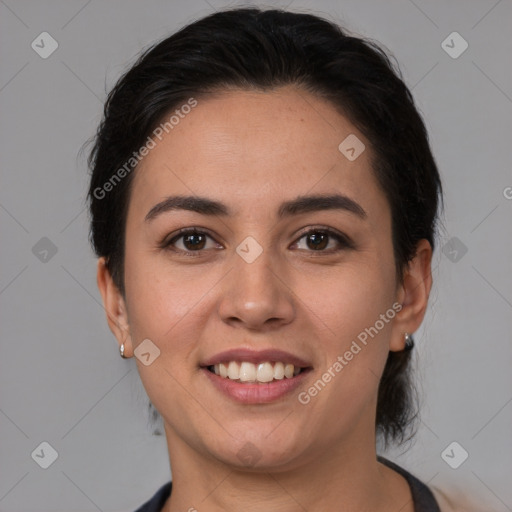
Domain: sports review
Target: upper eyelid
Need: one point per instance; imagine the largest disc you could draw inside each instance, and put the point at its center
(330, 231)
(187, 231)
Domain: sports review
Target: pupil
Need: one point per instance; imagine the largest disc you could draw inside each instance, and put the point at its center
(189, 243)
(319, 240)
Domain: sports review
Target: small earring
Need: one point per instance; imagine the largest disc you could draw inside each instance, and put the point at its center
(409, 342)
(121, 351)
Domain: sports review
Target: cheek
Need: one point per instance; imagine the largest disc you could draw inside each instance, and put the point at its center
(353, 310)
(160, 299)
(165, 306)
(349, 299)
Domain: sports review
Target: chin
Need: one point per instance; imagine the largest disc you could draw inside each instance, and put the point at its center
(259, 452)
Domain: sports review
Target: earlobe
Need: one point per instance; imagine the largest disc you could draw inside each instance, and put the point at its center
(115, 307)
(413, 293)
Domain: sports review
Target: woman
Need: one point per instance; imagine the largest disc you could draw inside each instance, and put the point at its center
(264, 204)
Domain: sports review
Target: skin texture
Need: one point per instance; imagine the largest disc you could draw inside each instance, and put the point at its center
(252, 151)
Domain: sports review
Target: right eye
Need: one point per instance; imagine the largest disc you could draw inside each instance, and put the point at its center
(192, 241)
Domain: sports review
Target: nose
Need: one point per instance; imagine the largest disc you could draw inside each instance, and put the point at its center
(257, 295)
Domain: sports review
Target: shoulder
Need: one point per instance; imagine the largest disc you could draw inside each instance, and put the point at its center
(156, 503)
(456, 500)
(423, 498)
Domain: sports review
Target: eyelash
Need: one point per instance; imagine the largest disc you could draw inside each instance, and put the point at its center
(343, 240)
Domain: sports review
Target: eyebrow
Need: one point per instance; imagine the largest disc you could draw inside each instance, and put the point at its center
(302, 204)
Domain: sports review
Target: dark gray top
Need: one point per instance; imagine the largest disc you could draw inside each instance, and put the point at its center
(422, 496)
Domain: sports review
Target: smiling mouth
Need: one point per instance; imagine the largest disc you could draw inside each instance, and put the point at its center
(250, 373)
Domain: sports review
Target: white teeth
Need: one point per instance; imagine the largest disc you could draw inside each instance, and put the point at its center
(279, 371)
(265, 372)
(249, 372)
(233, 371)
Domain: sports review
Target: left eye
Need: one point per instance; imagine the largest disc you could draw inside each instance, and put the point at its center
(318, 240)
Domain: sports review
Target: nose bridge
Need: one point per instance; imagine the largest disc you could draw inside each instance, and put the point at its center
(256, 292)
(256, 269)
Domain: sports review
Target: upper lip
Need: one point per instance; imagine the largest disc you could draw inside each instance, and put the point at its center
(256, 357)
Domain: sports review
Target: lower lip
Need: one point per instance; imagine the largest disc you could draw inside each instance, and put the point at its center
(255, 393)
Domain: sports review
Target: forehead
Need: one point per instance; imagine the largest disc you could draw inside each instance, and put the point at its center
(251, 147)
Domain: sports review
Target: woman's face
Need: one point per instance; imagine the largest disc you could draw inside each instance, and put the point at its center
(253, 287)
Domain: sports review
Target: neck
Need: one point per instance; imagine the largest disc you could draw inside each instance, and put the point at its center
(346, 479)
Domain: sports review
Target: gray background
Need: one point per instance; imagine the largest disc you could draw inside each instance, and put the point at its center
(61, 378)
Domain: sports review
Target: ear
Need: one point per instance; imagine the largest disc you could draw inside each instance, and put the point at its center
(413, 295)
(115, 307)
